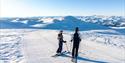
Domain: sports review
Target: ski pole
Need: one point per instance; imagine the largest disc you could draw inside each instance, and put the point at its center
(67, 47)
(71, 44)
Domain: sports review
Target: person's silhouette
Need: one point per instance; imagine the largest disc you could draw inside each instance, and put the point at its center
(60, 38)
(76, 41)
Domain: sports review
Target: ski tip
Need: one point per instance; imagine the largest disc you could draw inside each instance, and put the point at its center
(56, 55)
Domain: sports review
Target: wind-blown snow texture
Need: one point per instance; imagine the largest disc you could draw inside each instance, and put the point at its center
(11, 45)
(100, 44)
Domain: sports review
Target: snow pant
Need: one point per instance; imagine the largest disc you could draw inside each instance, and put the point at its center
(75, 50)
(59, 50)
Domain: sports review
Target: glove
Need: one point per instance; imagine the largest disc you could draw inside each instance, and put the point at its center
(71, 40)
(64, 41)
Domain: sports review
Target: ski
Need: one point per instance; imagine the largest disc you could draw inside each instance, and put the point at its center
(56, 55)
(60, 54)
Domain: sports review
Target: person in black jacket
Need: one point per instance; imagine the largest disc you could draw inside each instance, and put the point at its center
(76, 41)
(61, 41)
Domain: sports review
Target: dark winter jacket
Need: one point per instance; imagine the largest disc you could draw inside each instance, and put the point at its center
(76, 38)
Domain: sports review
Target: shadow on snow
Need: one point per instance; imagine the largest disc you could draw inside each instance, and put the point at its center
(84, 59)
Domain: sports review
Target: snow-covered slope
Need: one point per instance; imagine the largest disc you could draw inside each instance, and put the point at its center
(37, 46)
(11, 45)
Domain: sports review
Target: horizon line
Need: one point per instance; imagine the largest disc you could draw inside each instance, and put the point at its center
(59, 15)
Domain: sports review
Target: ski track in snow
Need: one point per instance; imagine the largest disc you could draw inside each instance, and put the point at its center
(37, 46)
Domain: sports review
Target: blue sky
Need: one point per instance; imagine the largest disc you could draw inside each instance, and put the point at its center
(27, 8)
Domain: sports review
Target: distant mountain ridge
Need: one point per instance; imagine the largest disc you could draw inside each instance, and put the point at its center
(70, 22)
(66, 22)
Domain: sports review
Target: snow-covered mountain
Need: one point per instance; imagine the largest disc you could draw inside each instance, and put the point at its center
(116, 21)
(29, 22)
(70, 22)
(18, 23)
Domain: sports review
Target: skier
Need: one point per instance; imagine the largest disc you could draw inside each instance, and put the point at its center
(76, 41)
(61, 41)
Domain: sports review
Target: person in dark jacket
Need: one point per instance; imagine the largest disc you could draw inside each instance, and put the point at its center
(61, 41)
(76, 41)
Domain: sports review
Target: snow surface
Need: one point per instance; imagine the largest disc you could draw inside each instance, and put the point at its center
(38, 45)
(11, 45)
